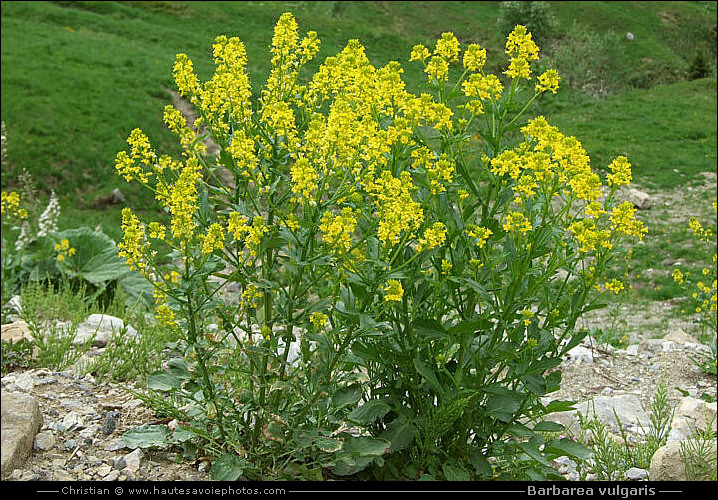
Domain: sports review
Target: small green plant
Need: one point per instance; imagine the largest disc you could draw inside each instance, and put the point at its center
(16, 355)
(698, 454)
(612, 456)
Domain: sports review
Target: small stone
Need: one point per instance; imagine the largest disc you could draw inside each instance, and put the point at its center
(108, 426)
(129, 474)
(118, 463)
(16, 474)
(115, 444)
(44, 440)
(203, 466)
(112, 476)
(133, 459)
(61, 475)
(103, 470)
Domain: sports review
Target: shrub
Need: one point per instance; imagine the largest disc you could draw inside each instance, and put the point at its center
(410, 273)
(536, 16)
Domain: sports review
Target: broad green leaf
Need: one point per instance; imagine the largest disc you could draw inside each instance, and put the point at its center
(346, 396)
(348, 466)
(181, 434)
(429, 329)
(533, 452)
(147, 436)
(480, 464)
(369, 412)
(400, 433)
(364, 446)
(163, 381)
(178, 368)
(535, 383)
(328, 444)
(565, 446)
(503, 406)
(228, 467)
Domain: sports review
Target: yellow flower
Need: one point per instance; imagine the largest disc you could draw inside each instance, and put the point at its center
(437, 69)
(474, 57)
(548, 81)
(304, 178)
(419, 53)
(623, 221)
(319, 320)
(515, 221)
(214, 239)
(614, 285)
(446, 266)
(621, 172)
(133, 245)
(480, 233)
(394, 291)
(678, 276)
(433, 237)
(447, 47)
(337, 230)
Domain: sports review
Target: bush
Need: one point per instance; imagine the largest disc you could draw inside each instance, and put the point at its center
(536, 16)
(410, 268)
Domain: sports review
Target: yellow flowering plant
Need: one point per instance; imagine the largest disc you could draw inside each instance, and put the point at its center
(408, 266)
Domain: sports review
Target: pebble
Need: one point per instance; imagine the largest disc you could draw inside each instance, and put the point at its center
(112, 476)
(133, 459)
(44, 440)
(636, 474)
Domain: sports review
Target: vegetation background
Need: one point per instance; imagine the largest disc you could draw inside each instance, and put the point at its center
(638, 79)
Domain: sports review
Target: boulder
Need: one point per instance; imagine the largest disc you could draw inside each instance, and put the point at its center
(21, 420)
(692, 415)
(103, 327)
(16, 331)
(628, 408)
(640, 200)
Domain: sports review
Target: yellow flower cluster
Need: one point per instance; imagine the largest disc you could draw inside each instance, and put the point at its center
(516, 221)
(398, 212)
(64, 250)
(10, 203)
(620, 172)
(319, 320)
(439, 171)
(304, 178)
(434, 236)
(140, 151)
(242, 151)
(480, 233)
(214, 239)
(521, 49)
(178, 124)
(337, 230)
(703, 233)
(133, 246)
(394, 291)
(589, 236)
(474, 57)
(623, 220)
(180, 198)
(548, 81)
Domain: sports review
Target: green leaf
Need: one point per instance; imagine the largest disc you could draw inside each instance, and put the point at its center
(365, 446)
(349, 466)
(346, 396)
(455, 473)
(535, 383)
(429, 375)
(556, 406)
(565, 446)
(400, 433)
(178, 368)
(503, 406)
(548, 426)
(228, 467)
(328, 444)
(163, 381)
(429, 329)
(531, 450)
(369, 412)
(146, 436)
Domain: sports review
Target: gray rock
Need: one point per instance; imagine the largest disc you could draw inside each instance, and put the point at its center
(44, 440)
(21, 420)
(640, 200)
(103, 327)
(112, 476)
(628, 408)
(115, 444)
(636, 474)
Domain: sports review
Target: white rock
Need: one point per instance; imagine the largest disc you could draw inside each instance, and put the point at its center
(636, 474)
(133, 459)
(112, 476)
(103, 470)
(580, 354)
(103, 327)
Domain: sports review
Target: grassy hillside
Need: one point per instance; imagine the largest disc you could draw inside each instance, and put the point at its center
(78, 76)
